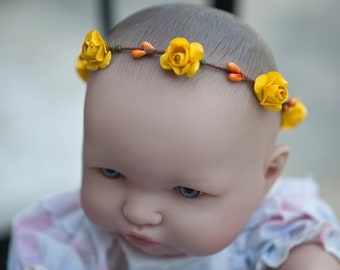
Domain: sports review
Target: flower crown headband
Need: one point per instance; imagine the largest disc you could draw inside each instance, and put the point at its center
(186, 58)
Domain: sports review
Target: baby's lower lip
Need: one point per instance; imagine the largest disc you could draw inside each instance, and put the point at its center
(142, 241)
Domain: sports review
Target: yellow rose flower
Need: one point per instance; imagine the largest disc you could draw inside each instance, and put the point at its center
(95, 51)
(293, 116)
(271, 90)
(182, 57)
(81, 69)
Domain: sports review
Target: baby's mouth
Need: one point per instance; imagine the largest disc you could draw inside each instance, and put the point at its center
(142, 240)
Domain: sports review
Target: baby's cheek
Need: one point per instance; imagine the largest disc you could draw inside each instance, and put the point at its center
(217, 242)
(218, 237)
(97, 208)
(207, 242)
(90, 206)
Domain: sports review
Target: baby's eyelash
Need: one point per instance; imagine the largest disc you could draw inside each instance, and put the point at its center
(111, 173)
(189, 193)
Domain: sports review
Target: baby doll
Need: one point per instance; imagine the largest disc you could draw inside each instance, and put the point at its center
(180, 164)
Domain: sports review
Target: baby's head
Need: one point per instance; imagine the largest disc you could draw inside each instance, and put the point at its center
(177, 165)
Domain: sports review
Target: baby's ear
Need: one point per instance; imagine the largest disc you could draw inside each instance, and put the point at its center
(276, 161)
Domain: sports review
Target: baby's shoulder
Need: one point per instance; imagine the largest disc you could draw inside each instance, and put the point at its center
(56, 234)
(52, 212)
(291, 214)
(292, 198)
(294, 187)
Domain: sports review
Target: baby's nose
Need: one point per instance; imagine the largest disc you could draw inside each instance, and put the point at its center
(141, 211)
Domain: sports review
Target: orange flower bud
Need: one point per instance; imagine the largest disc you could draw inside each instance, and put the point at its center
(232, 67)
(147, 45)
(138, 53)
(290, 103)
(235, 77)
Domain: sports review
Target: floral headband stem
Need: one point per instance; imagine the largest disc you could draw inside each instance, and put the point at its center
(147, 49)
(186, 58)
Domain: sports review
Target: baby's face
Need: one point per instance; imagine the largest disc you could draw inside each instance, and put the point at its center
(173, 173)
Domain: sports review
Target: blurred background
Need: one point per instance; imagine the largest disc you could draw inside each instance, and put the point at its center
(41, 96)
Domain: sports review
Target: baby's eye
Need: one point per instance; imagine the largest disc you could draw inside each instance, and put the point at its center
(111, 173)
(188, 192)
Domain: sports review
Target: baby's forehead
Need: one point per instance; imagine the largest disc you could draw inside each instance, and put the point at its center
(164, 124)
(131, 79)
(172, 104)
(202, 96)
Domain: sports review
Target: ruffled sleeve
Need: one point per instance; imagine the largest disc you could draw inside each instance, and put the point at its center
(55, 234)
(290, 215)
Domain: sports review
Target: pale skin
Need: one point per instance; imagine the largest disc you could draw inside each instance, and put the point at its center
(163, 166)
